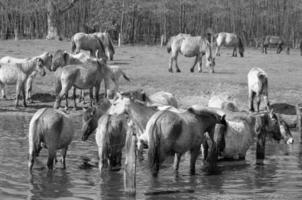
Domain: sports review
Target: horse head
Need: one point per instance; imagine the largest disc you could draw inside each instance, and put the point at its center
(60, 59)
(40, 66)
(138, 94)
(47, 59)
(119, 104)
(89, 122)
(285, 131)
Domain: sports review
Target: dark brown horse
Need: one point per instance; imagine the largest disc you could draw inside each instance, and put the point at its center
(272, 41)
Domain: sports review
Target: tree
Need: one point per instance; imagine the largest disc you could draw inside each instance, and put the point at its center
(53, 13)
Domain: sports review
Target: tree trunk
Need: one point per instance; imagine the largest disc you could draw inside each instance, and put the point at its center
(52, 13)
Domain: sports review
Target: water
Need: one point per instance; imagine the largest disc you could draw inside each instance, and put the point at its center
(279, 178)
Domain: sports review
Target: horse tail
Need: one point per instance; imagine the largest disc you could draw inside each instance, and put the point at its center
(33, 135)
(110, 43)
(154, 143)
(73, 45)
(125, 76)
(169, 48)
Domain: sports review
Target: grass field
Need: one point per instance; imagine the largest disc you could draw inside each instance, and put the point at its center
(147, 66)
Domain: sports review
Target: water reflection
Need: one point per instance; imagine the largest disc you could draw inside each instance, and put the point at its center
(278, 178)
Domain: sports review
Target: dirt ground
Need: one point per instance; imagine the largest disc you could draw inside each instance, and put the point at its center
(147, 67)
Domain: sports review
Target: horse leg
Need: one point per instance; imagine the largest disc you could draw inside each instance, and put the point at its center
(199, 63)
(18, 88)
(96, 92)
(64, 152)
(63, 92)
(176, 64)
(251, 100)
(235, 52)
(29, 83)
(212, 154)
(170, 64)
(266, 101)
(194, 154)
(74, 99)
(23, 94)
(102, 164)
(192, 68)
(258, 96)
(177, 157)
(91, 96)
(205, 150)
(3, 92)
(218, 51)
(51, 157)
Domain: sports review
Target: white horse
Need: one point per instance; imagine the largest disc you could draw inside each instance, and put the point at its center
(190, 46)
(257, 86)
(46, 57)
(51, 129)
(18, 73)
(229, 40)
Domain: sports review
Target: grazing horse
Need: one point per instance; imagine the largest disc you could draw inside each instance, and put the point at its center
(18, 73)
(190, 46)
(257, 86)
(46, 57)
(51, 129)
(84, 76)
(176, 133)
(270, 40)
(229, 40)
(160, 98)
(88, 42)
(107, 42)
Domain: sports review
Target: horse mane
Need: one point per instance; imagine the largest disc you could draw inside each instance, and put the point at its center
(100, 43)
(110, 44)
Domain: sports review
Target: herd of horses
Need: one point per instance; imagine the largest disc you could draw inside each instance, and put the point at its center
(220, 130)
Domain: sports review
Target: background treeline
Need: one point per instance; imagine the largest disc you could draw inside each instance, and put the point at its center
(144, 21)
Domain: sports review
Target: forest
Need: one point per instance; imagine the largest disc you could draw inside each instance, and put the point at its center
(145, 21)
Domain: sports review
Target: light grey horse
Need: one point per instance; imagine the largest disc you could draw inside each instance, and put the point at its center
(229, 40)
(190, 46)
(18, 73)
(46, 57)
(88, 42)
(51, 129)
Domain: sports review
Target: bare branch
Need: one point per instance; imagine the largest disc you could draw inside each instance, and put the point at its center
(67, 7)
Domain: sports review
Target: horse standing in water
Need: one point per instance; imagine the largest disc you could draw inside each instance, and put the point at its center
(190, 46)
(51, 129)
(257, 86)
(176, 133)
(18, 73)
(229, 40)
(272, 41)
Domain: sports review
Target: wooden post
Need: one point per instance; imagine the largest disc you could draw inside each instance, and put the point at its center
(299, 120)
(130, 162)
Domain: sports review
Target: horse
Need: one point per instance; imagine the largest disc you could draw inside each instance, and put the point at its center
(107, 42)
(18, 73)
(242, 128)
(258, 42)
(229, 40)
(62, 58)
(160, 98)
(190, 46)
(88, 42)
(51, 129)
(84, 76)
(176, 133)
(46, 57)
(270, 40)
(257, 86)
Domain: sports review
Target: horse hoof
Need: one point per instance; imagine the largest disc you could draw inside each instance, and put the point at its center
(191, 70)
(170, 70)
(178, 71)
